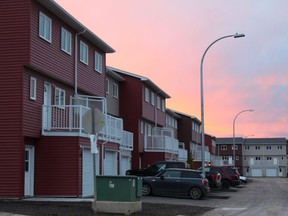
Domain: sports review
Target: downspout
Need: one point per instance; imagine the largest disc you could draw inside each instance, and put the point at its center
(76, 61)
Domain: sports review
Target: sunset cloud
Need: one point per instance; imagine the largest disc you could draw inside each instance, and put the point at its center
(165, 40)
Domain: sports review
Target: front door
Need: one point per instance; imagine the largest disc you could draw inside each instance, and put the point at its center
(47, 110)
(29, 171)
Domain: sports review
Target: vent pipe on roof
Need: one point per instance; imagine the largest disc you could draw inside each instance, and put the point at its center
(76, 61)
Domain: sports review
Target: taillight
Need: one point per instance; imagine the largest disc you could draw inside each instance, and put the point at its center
(235, 176)
(205, 182)
(219, 177)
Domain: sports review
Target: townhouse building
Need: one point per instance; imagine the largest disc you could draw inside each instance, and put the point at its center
(265, 157)
(189, 133)
(142, 105)
(255, 157)
(52, 74)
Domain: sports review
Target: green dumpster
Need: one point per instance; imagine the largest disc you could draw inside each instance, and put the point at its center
(119, 188)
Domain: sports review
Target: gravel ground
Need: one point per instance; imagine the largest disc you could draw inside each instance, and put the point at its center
(47, 208)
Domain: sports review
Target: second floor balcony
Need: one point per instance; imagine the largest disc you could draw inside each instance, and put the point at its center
(68, 120)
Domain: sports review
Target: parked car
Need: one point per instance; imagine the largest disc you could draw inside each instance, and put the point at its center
(230, 175)
(214, 178)
(243, 179)
(176, 182)
(155, 168)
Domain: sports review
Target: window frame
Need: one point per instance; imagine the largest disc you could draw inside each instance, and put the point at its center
(223, 147)
(152, 98)
(33, 88)
(98, 67)
(58, 100)
(84, 53)
(66, 41)
(107, 86)
(147, 95)
(115, 90)
(47, 36)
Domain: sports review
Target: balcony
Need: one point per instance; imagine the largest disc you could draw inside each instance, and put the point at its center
(68, 121)
(265, 163)
(161, 144)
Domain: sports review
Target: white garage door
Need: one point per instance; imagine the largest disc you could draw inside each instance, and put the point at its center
(87, 172)
(110, 163)
(125, 164)
(257, 173)
(271, 172)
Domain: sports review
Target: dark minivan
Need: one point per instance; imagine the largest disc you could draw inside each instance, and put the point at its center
(157, 167)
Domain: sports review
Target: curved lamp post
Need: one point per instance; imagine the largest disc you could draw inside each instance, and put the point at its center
(243, 154)
(234, 158)
(202, 97)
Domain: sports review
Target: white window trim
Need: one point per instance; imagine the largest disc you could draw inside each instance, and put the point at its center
(115, 90)
(47, 20)
(58, 101)
(158, 102)
(84, 52)
(98, 62)
(66, 41)
(163, 105)
(147, 95)
(223, 147)
(152, 98)
(107, 86)
(33, 84)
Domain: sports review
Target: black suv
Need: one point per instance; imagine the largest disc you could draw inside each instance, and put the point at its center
(155, 168)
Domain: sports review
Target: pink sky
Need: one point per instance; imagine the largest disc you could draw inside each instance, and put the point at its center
(164, 40)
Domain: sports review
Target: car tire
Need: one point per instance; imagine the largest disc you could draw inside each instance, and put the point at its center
(225, 185)
(146, 190)
(195, 193)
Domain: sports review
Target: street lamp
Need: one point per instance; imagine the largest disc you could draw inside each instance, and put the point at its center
(250, 110)
(202, 97)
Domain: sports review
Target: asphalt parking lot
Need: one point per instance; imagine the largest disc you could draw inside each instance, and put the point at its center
(263, 196)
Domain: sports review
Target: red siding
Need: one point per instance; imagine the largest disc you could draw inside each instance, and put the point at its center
(59, 64)
(57, 161)
(14, 43)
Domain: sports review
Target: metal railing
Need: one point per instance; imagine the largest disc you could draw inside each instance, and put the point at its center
(67, 120)
(161, 144)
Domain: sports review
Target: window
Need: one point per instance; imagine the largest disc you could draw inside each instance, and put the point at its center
(141, 127)
(269, 158)
(279, 147)
(107, 86)
(45, 27)
(246, 147)
(163, 105)
(115, 90)
(225, 158)
(66, 41)
(268, 147)
(83, 53)
(147, 96)
(98, 62)
(223, 147)
(258, 158)
(59, 97)
(153, 98)
(33, 88)
(237, 157)
(158, 102)
(257, 147)
(236, 147)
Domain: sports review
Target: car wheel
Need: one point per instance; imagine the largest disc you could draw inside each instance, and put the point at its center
(196, 193)
(225, 185)
(146, 190)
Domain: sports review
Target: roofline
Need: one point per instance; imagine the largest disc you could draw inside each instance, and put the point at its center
(114, 75)
(187, 115)
(143, 79)
(62, 14)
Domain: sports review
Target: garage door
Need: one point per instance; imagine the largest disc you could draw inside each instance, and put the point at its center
(257, 173)
(125, 164)
(271, 172)
(110, 163)
(87, 172)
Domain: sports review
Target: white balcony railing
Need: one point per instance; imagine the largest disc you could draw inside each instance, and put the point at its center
(182, 154)
(127, 141)
(161, 144)
(197, 155)
(68, 121)
(264, 163)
